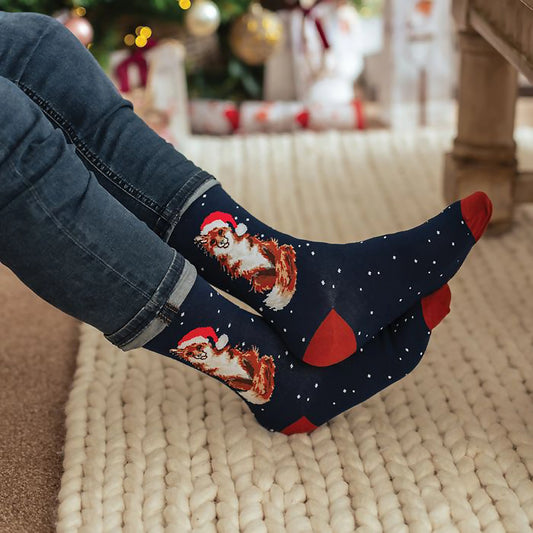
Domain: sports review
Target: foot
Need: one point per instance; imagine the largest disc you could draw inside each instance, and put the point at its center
(237, 348)
(323, 393)
(326, 300)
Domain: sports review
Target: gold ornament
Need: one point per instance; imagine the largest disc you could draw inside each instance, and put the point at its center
(202, 18)
(255, 35)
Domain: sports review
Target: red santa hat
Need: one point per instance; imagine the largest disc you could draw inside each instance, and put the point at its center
(218, 219)
(203, 336)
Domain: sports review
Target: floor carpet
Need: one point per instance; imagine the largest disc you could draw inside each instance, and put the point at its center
(38, 350)
(152, 445)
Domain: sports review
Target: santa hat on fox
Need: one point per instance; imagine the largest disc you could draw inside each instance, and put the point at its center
(218, 219)
(203, 336)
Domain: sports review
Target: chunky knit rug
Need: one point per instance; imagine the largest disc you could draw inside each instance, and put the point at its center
(153, 445)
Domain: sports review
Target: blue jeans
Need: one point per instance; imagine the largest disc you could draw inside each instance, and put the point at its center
(82, 222)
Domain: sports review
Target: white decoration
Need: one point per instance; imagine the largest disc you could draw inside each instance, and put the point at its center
(414, 75)
(202, 18)
(241, 229)
(222, 341)
(303, 69)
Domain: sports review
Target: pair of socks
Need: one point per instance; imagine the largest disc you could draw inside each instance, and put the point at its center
(338, 322)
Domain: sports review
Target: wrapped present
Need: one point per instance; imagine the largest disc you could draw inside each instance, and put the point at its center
(346, 116)
(224, 117)
(153, 79)
(272, 117)
(215, 117)
(167, 88)
(131, 70)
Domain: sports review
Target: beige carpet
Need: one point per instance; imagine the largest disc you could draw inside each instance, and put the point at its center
(155, 446)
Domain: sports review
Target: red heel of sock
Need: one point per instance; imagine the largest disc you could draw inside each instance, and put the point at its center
(333, 341)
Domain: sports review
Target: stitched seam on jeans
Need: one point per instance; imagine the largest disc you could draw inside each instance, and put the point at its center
(168, 312)
(65, 231)
(165, 315)
(172, 308)
(89, 156)
(163, 212)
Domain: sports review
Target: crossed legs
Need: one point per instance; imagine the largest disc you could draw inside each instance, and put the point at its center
(73, 212)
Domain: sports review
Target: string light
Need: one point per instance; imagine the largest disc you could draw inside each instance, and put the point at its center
(143, 34)
(184, 4)
(140, 41)
(80, 11)
(146, 32)
(129, 39)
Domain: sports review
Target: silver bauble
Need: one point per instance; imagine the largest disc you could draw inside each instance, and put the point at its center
(202, 18)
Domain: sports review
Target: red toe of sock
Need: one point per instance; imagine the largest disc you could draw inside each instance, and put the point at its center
(436, 306)
(476, 210)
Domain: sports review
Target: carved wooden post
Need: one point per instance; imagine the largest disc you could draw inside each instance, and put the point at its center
(484, 151)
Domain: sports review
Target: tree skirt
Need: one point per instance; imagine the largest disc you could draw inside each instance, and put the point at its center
(153, 445)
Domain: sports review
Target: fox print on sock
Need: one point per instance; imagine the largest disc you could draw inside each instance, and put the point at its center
(344, 294)
(268, 266)
(245, 371)
(283, 393)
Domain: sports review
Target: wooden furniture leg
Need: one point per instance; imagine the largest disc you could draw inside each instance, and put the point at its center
(484, 151)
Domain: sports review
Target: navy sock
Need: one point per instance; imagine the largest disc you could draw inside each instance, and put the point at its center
(218, 338)
(325, 300)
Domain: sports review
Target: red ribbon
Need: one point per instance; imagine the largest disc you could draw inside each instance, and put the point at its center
(359, 114)
(137, 57)
(318, 24)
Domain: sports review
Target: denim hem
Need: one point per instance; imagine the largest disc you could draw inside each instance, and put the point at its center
(160, 309)
(180, 203)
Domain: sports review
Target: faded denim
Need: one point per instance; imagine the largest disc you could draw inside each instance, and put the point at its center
(65, 144)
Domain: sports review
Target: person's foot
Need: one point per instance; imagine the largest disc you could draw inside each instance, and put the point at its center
(323, 393)
(216, 337)
(326, 300)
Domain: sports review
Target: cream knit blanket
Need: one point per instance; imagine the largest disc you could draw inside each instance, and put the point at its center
(152, 445)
